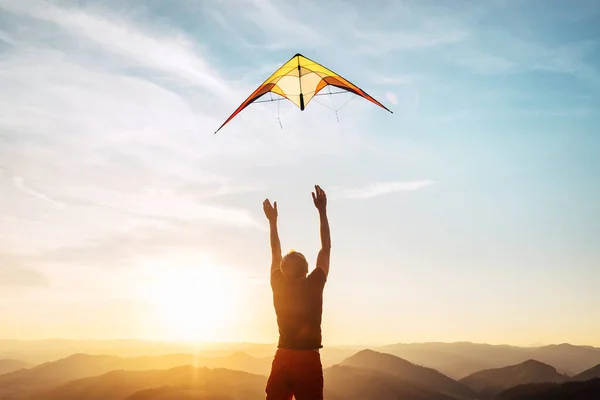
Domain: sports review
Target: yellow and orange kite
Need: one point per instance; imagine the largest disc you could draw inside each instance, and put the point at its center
(299, 80)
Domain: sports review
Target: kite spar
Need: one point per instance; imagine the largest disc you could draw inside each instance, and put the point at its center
(299, 80)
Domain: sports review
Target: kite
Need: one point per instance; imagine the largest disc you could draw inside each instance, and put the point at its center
(299, 80)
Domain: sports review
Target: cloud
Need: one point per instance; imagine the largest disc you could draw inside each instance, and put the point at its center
(393, 79)
(382, 188)
(315, 25)
(379, 43)
(14, 274)
(171, 52)
(392, 98)
(282, 27)
(512, 54)
(487, 64)
(19, 183)
(117, 149)
(125, 152)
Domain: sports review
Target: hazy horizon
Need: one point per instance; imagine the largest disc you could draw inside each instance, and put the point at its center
(274, 343)
(470, 214)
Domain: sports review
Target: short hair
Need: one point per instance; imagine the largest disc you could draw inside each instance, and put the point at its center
(294, 265)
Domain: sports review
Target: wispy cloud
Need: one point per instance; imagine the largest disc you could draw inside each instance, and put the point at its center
(382, 42)
(171, 52)
(14, 274)
(382, 188)
(124, 152)
(512, 54)
(393, 79)
(19, 183)
(119, 150)
(392, 98)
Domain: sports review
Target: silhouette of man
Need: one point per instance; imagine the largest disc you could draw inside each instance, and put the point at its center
(298, 300)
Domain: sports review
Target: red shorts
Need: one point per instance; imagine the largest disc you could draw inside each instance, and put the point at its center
(296, 373)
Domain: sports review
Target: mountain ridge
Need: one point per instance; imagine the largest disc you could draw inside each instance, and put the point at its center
(394, 365)
(489, 382)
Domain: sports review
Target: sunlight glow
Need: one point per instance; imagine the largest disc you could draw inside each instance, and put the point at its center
(194, 301)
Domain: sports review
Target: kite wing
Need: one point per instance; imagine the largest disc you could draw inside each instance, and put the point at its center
(299, 80)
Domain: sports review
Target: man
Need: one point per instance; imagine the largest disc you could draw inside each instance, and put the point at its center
(298, 300)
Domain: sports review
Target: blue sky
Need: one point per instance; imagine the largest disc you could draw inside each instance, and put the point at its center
(468, 214)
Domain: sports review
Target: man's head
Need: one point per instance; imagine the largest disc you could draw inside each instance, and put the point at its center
(294, 265)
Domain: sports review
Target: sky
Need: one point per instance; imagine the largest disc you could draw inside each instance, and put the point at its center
(469, 214)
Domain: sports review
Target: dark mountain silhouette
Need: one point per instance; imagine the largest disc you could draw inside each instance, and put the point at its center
(22, 382)
(351, 383)
(582, 390)
(10, 365)
(490, 382)
(396, 366)
(588, 374)
(212, 383)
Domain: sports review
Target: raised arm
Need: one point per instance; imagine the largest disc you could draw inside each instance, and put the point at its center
(320, 200)
(271, 214)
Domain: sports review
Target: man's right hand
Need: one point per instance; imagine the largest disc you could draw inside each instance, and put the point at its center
(270, 210)
(320, 199)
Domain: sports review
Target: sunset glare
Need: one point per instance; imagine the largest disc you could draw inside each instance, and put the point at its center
(194, 301)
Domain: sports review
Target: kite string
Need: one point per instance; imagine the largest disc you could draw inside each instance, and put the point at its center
(348, 101)
(278, 116)
(336, 109)
(333, 104)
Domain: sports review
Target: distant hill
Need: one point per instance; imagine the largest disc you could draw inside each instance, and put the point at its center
(396, 366)
(46, 350)
(460, 359)
(351, 383)
(567, 358)
(10, 365)
(77, 366)
(582, 390)
(342, 383)
(588, 374)
(169, 383)
(455, 360)
(490, 382)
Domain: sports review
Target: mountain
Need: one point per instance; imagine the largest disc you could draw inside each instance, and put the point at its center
(10, 365)
(567, 358)
(351, 383)
(455, 360)
(490, 382)
(396, 366)
(22, 382)
(554, 391)
(41, 351)
(460, 359)
(203, 383)
(342, 383)
(588, 374)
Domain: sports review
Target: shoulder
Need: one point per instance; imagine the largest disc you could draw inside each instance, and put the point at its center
(276, 277)
(317, 277)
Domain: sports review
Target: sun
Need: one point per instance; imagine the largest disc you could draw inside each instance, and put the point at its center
(194, 302)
